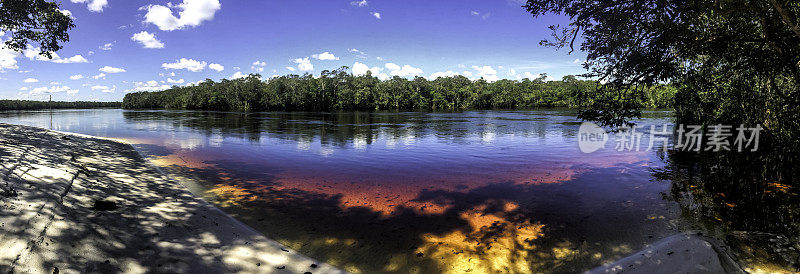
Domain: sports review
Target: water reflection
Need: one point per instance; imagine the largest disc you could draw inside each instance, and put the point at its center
(482, 191)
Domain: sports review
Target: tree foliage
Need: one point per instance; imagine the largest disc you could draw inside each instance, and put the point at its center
(33, 105)
(719, 52)
(340, 90)
(35, 21)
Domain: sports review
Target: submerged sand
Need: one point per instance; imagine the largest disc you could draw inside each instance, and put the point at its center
(75, 204)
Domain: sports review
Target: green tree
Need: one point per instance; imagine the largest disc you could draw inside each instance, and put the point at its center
(35, 21)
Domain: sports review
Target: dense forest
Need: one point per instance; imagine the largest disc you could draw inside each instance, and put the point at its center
(340, 90)
(31, 105)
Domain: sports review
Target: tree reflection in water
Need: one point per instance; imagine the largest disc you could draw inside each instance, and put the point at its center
(749, 199)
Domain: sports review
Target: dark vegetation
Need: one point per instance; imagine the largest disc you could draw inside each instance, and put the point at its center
(733, 62)
(33, 105)
(340, 90)
(35, 21)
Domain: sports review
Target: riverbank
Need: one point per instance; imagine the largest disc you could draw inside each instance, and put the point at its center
(72, 203)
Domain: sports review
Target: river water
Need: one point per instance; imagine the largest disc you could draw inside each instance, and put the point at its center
(479, 191)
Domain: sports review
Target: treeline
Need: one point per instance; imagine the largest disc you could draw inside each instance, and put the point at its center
(33, 105)
(340, 90)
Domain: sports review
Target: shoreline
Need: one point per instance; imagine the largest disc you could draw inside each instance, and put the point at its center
(79, 203)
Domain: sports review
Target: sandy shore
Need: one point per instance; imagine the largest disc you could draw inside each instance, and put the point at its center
(76, 204)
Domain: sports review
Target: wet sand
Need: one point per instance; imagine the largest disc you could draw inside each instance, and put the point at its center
(75, 204)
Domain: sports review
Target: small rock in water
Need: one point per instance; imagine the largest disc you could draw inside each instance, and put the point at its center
(104, 205)
(313, 265)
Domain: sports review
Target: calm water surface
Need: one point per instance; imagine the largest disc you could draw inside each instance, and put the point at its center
(481, 191)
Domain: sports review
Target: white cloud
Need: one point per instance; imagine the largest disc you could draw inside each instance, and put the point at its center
(362, 69)
(67, 13)
(23, 88)
(99, 76)
(486, 72)
(290, 68)
(76, 77)
(443, 74)
(532, 76)
(258, 66)
(360, 4)
(33, 53)
(187, 64)
(576, 61)
(30, 80)
(179, 81)
(238, 75)
(325, 56)
(467, 73)
(8, 59)
(304, 64)
(73, 59)
(93, 5)
(148, 40)
(376, 14)
(191, 14)
(478, 14)
(403, 71)
(107, 46)
(108, 69)
(216, 67)
(151, 85)
(53, 89)
(105, 89)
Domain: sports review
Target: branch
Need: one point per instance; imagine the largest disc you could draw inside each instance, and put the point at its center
(786, 18)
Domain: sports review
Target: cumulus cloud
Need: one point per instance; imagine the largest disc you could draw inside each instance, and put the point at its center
(67, 13)
(76, 77)
(290, 68)
(360, 4)
(33, 53)
(191, 13)
(108, 69)
(376, 14)
(258, 66)
(53, 89)
(486, 72)
(325, 56)
(179, 81)
(8, 59)
(404, 71)
(105, 89)
(443, 74)
(238, 75)
(187, 64)
(362, 69)
(73, 59)
(148, 40)
(216, 67)
(304, 64)
(93, 5)
(30, 80)
(99, 76)
(107, 46)
(151, 85)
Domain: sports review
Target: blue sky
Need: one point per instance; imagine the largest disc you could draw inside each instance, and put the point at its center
(124, 46)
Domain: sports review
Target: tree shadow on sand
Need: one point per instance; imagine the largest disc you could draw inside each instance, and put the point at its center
(80, 204)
